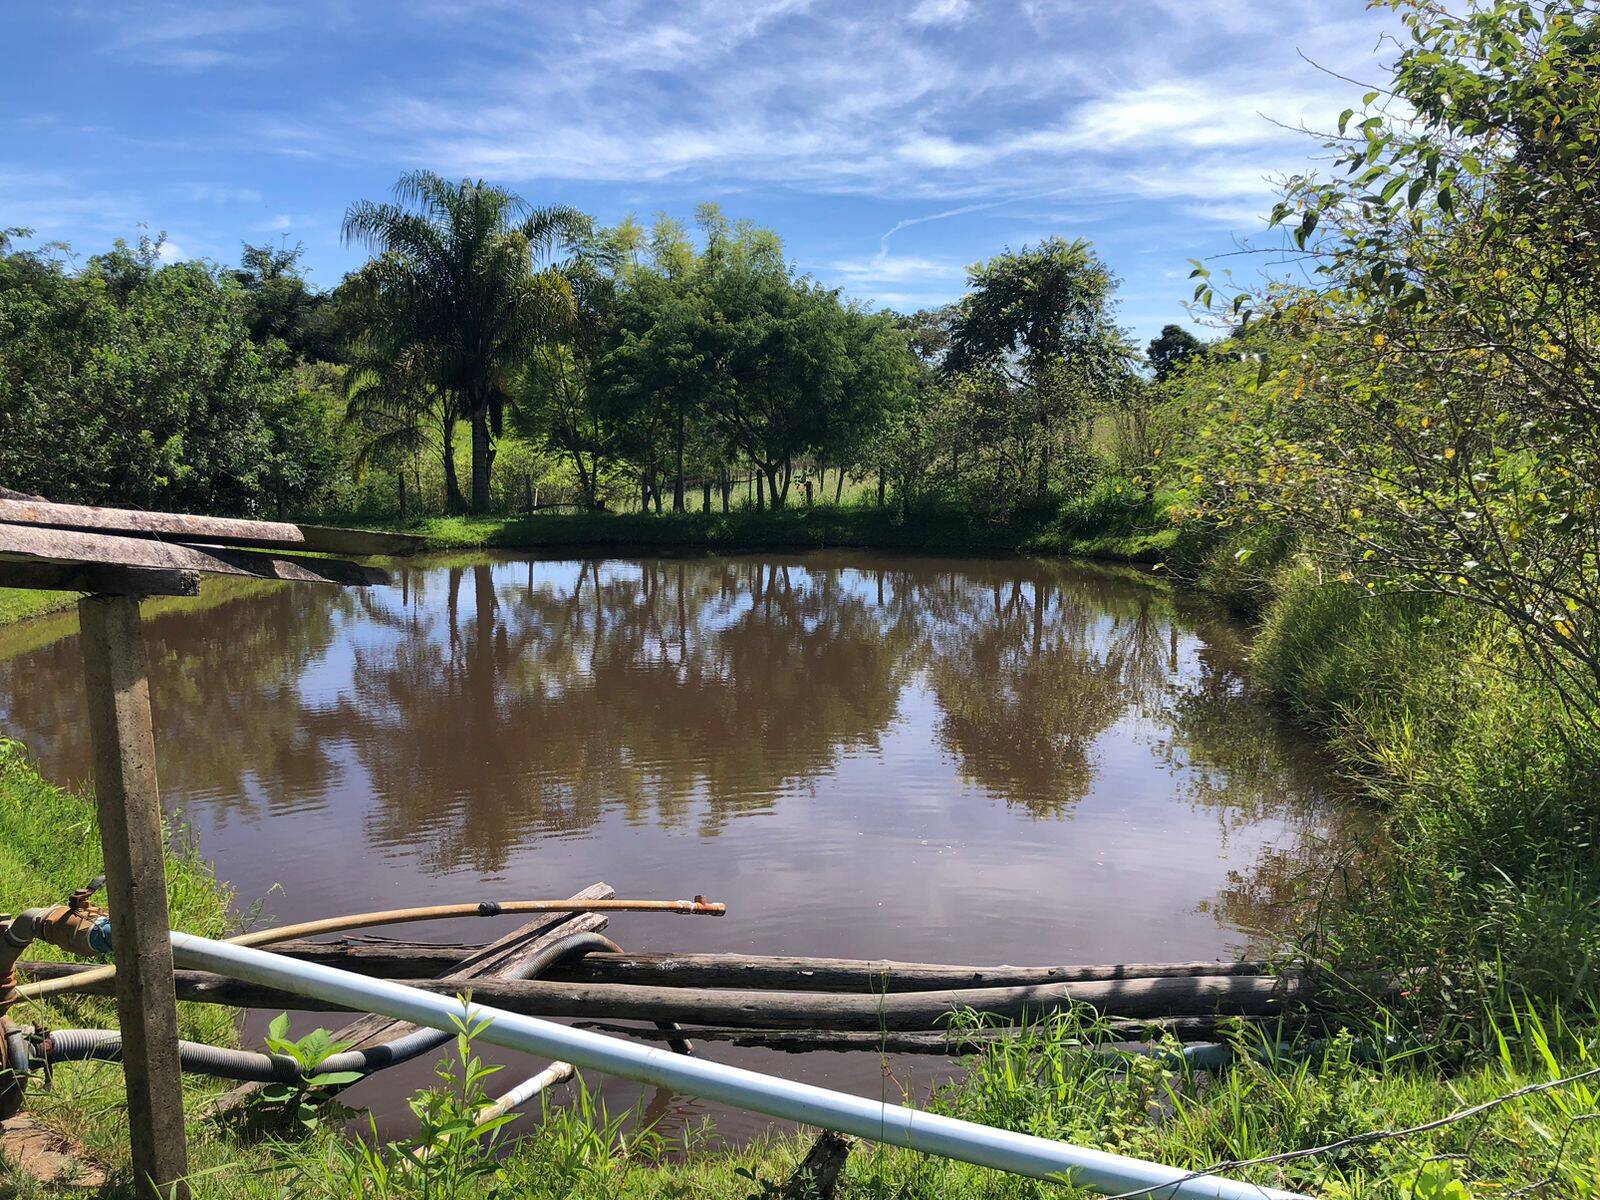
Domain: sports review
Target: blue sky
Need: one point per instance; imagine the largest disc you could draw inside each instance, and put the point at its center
(890, 144)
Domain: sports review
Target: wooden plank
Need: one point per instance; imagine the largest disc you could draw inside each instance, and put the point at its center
(796, 973)
(181, 527)
(108, 581)
(386, 958)
(32, 542)
(334, 539)
(128, 805)
(18, 509)
(508, 956)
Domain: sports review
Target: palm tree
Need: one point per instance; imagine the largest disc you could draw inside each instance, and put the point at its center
(398, 415)
(463, 273)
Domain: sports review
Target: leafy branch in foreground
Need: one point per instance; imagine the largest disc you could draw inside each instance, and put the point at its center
(1427, 414)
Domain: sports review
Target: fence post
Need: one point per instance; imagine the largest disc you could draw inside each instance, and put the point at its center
(128, 805)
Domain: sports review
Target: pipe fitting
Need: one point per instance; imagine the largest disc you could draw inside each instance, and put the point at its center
(15, 1064)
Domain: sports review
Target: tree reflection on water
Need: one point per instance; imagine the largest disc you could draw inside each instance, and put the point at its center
(484, 703)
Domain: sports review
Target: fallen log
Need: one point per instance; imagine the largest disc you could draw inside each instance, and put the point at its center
(1194, 996)
(954, 1043)
(386, 959)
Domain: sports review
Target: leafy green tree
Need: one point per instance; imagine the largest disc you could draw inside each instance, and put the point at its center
(878, 384)
(1424, 416)
(1040, 320)
(654, 373)
(563, 407)
(1171, 349)
(131, 382)
(280, 303)
(460, 271)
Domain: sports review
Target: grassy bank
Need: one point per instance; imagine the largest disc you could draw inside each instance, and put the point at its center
(50, 845)
(1107, 523)
(18, 604)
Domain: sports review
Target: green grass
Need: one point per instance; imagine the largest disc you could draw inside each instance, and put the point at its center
(50, 845)
(1112, 521)
(1047, 1083)
(1488, 885)
(18, 604)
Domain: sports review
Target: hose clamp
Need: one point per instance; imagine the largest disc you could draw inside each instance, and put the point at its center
(100, 935)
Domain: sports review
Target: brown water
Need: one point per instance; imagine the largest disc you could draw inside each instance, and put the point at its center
(863, 754)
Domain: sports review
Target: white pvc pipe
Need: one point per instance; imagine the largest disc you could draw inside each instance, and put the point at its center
(966, 1141)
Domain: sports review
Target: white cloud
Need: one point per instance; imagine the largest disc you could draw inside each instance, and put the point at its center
(941, 12)
(836, 98)
(216, 193)
(185, 38)
(897, 269)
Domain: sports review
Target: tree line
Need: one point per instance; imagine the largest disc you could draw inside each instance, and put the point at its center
(491, 355)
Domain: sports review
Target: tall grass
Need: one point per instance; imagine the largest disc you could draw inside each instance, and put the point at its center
(1488, 887)
(1064, 1079)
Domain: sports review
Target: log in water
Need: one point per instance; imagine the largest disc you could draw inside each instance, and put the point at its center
(1200, 995)
(399, 960)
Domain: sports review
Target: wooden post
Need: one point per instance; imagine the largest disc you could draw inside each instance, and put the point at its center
(129, 808)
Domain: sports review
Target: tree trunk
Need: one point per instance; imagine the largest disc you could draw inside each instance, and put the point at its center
(677, 486)
(482, 458)
(400, 484)
(838, 486)
(727, 491)
(808, 493)
(761, 495)
(452, 485)
(880, 487)
(1044, 458)
(705, 495)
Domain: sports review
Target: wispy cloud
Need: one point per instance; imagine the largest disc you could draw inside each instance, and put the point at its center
(186, 38)
(840, 99)
(218, 193)
(893, 140)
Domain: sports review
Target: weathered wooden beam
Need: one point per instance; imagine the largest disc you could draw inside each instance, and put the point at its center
(183, 527)
(396, 959)
(795, 973)
(37, 543)
(508, 957)
(109, 581)
(333, 539)
(1133, 998)
(18, 509)
(128, 806)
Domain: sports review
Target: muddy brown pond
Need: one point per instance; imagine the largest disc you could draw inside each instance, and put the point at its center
(864, 755)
